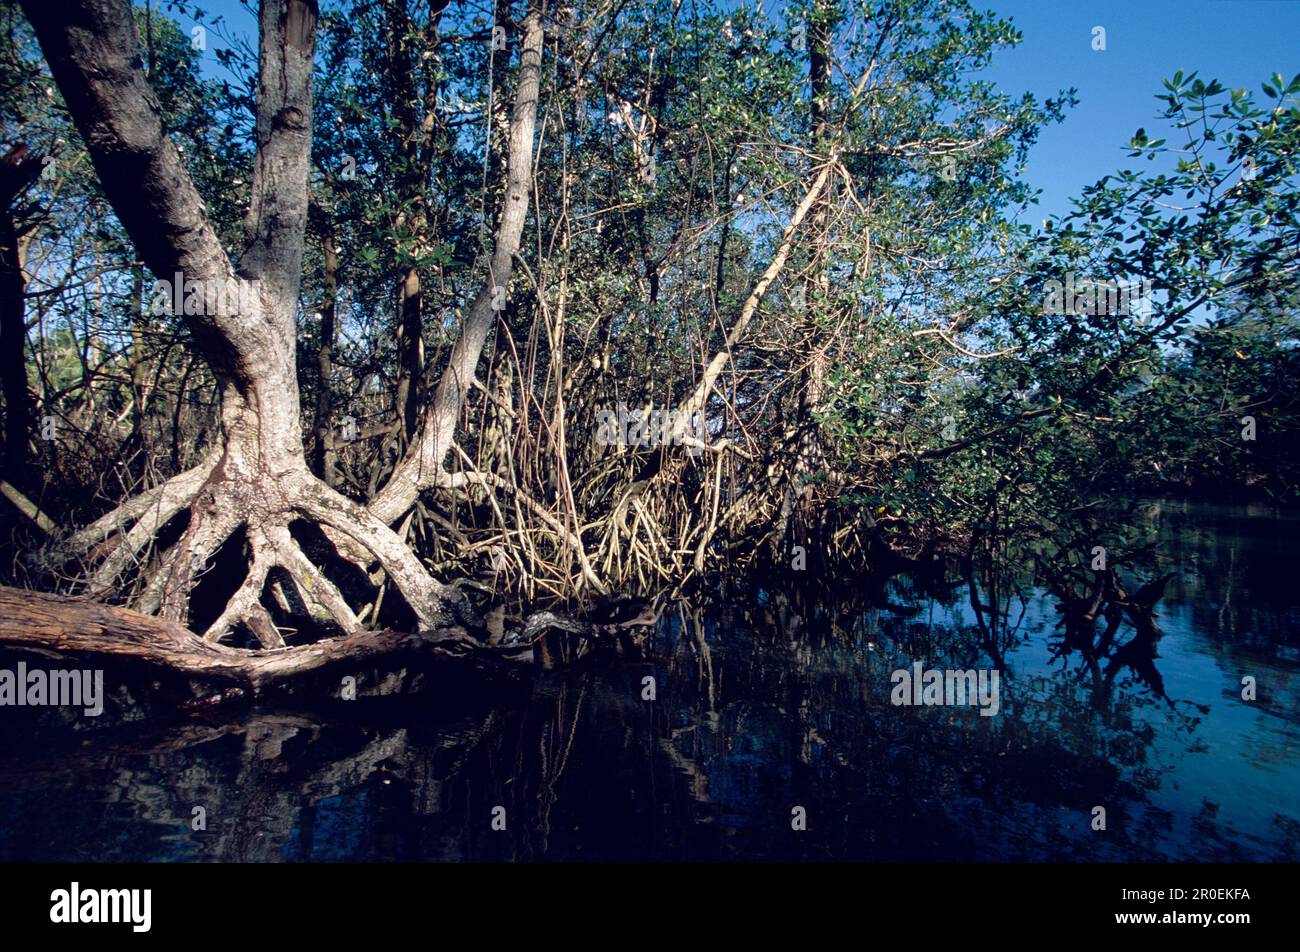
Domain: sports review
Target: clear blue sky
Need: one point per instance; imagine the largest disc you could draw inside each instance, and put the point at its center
(1239, 42)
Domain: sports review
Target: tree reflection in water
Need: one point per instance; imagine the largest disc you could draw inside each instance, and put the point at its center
(762, 704)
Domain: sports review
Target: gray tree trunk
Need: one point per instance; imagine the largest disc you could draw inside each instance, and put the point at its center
(259, 479)
(422, 467)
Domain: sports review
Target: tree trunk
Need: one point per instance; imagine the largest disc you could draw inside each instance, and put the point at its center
(17, 171)
(259, 480)
(422, 467)
(410, 350)
(326, 455)
(419, 138)
(808, 457)
(75, 629)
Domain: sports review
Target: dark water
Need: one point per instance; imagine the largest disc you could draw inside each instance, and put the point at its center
(757, 712)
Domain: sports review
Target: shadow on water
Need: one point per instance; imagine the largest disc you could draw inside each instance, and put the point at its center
(760, 707)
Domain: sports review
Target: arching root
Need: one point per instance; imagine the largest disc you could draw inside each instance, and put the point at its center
(133, 524)
(220, 505)
(274, 547)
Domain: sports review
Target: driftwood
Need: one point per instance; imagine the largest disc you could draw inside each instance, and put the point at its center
(79, 628)
(76, 627)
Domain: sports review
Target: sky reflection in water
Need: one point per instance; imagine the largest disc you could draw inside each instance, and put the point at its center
(757, 712)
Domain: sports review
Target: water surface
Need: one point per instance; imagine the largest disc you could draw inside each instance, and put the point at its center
(758, 709)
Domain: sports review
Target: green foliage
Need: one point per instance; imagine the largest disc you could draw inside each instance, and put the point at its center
(909, 331)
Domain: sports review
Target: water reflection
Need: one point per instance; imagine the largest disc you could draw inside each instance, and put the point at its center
(760, 707)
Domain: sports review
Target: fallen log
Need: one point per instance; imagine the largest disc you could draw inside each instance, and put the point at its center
(78, 627)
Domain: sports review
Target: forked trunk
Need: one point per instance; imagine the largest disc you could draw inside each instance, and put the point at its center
(245, 325)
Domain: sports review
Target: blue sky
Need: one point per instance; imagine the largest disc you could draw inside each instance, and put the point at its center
(1239, 42)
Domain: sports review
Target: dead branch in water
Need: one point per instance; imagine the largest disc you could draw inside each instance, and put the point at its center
(79, 627)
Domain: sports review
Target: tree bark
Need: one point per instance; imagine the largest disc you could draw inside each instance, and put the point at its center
(326, 455)
(808, 455)
(18, 170)
(261, 481)
(417, 138)
(77, 629)
(422, 466)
